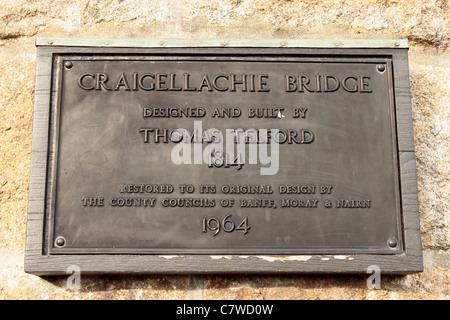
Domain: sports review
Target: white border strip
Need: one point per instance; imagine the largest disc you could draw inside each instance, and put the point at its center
(269, 43)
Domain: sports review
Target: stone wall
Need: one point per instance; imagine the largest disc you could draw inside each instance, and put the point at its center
(425, 23)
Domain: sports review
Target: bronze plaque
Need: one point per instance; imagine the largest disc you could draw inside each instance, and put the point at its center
(203, 153)
(119, 187)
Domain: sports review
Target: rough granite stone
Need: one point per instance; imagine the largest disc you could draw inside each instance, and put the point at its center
(425, 23)
(431, 114)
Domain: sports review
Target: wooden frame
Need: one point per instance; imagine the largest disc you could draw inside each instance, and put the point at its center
(39, 261)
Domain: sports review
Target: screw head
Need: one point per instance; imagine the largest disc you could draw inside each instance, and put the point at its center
(60, 242)
(381, 68)
(68, 64)
(392, 243)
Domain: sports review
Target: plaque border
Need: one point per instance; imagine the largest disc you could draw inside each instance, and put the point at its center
(37, 258)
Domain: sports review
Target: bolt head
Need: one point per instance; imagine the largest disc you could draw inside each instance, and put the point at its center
(68, 64)
(60, 242)
(392, 243)
(381, 67)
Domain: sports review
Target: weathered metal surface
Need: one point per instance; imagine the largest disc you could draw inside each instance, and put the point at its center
(118, 188)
